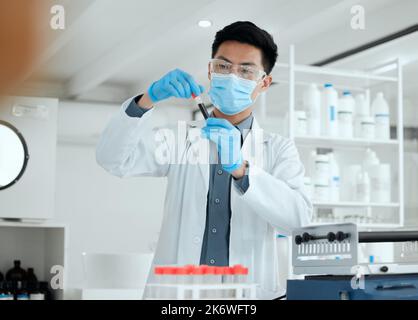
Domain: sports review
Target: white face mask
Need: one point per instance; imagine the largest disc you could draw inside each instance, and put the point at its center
(230, 93)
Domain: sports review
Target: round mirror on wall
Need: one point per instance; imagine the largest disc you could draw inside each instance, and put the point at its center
(13, 155)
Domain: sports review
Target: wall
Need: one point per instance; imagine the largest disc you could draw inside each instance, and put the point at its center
(104, 213)
(39, 131)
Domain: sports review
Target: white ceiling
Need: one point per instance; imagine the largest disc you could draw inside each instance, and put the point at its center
(405, 48)
(125, 45)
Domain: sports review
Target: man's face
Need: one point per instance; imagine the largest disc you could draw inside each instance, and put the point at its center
(241, 53)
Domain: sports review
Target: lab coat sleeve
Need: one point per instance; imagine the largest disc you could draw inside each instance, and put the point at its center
(242, 184)
(278, 196)
(133, 110)
(129, 146)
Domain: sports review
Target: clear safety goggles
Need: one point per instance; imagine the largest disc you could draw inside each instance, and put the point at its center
(242, 71)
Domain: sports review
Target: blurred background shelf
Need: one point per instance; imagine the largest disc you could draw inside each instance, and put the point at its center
(350, 204)
(341, 142)
(362, 226)
(355, 80)
(291, 79)
(41, 245)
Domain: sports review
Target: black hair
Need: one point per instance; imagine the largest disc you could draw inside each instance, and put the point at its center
(247, 32)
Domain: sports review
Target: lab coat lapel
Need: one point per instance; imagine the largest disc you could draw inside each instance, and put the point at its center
(252, 151)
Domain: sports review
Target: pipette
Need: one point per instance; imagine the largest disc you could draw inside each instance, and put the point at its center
(201, 106)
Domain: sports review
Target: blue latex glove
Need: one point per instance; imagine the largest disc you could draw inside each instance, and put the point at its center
(228, 141)
(176, 83)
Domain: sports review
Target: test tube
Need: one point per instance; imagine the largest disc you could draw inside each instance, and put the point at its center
(190, 268)
(170, 278)
(229, 275)
(172, 274)
(182, 275)
(240, 273)
(210, 279)
(219, 273)
(240, 277)
(228, 279)
(198, 275)
(155, 292)
(201, 106)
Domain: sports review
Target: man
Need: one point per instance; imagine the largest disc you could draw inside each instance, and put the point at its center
(229, 209)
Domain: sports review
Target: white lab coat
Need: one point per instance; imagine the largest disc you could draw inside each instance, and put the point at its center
(274, 202)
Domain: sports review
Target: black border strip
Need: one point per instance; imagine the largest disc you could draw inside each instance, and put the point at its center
(367, 46)
(25, 147)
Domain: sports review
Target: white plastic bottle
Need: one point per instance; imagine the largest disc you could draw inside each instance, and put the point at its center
(301, 128)
(367, 128)
(346, 107)
(380, 112)
(330, 110)
(361, 111)
(380, 176)
(350, 181)
(370, 159)
(322, 165)
(312, 105)
(335, 179)
(321, 188)
(363, 187)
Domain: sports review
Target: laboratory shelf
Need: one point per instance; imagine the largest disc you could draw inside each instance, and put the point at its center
(349, 79)
(342, 73)
(39, 245)
(306, 141)
(293, 77)
(361, 226)
(350, 204)
(31, 224)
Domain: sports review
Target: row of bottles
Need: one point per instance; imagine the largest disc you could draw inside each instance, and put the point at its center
(325, 182)
(213, 282)
(366, 182)
(325, 114)
(21, 284)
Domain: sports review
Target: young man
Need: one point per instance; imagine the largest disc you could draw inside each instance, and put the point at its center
(226, 210)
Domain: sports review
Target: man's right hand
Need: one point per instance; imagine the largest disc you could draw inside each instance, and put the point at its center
(176, 83)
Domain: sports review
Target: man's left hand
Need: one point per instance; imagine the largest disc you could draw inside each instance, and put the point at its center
(228, 141)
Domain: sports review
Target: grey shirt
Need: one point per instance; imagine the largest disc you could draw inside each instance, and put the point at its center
(215, 246)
